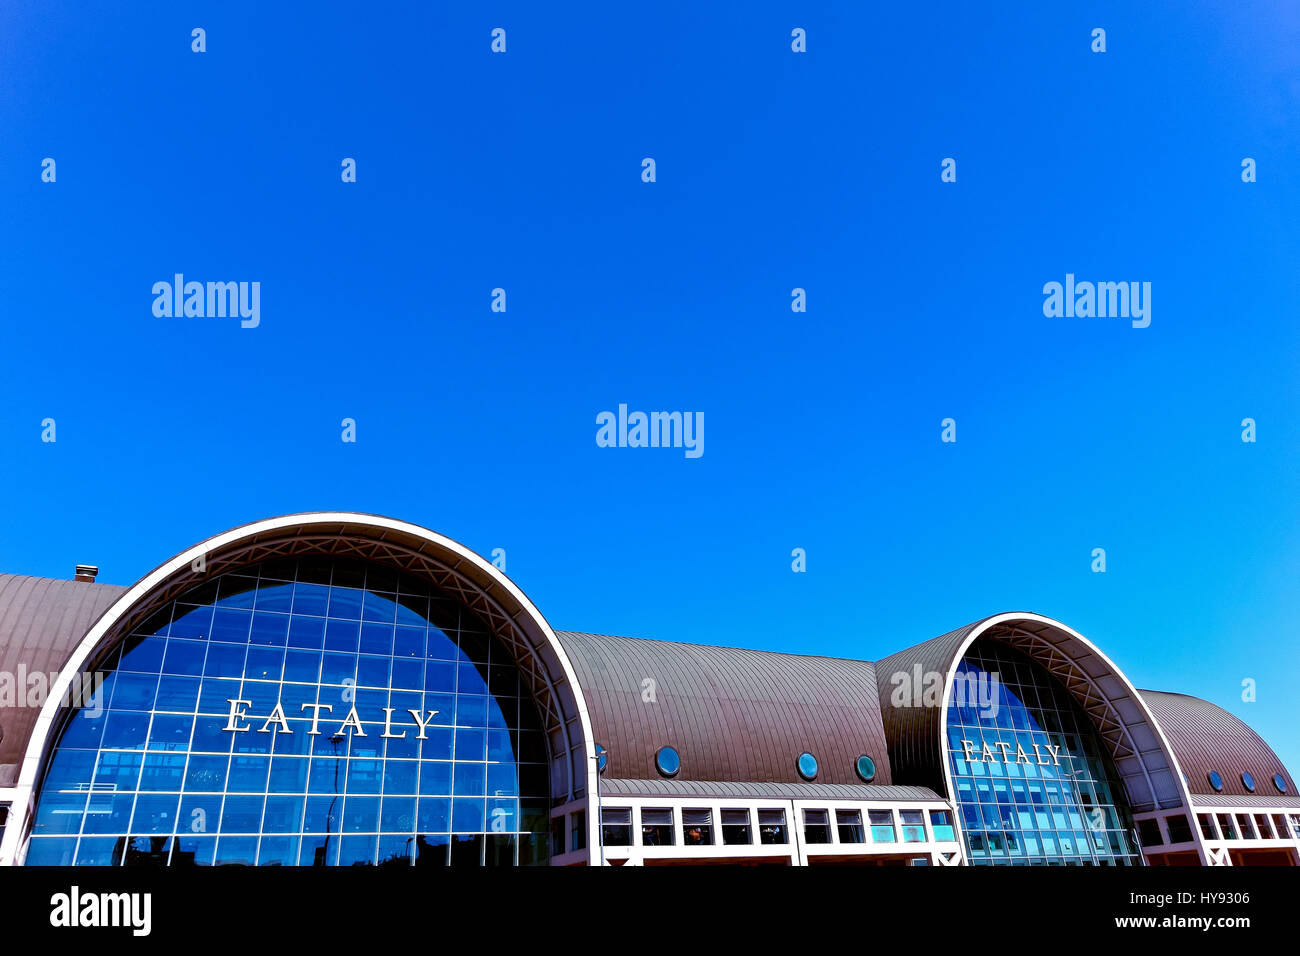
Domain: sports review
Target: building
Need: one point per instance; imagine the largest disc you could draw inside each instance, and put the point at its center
(345, 689)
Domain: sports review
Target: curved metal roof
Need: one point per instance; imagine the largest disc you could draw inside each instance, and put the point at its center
(735, 716)
(1206, 737)
(41, 622)
(913, 729)
(732, 714)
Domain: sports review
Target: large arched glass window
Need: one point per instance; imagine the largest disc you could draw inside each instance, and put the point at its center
(1032, 778)
(312, 711)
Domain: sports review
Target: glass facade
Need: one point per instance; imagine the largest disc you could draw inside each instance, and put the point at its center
(314, 711)
(1032, 780)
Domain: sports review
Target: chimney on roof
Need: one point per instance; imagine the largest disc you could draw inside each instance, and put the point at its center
(86, 573)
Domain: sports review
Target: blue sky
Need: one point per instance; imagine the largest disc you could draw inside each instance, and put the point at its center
(775, 170)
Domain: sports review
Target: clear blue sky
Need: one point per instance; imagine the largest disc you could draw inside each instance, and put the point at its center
(775, 171)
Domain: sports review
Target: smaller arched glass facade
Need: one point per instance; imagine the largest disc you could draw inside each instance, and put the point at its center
(312, 711)
(1031, 777)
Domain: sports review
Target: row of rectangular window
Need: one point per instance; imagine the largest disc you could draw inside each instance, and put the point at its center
(658, 826)
(423, 849)
(1035, 842)
(140, 690)
(186, 694)
(341, 571)
(275, 632)
(1129, 860)
(1020, 719)
(299, 701)
(997, 774)
(983, 815)
(123, 814)
(242, 630)
(1226, 826)
(241, 596)
(1037, 793)
(137, 731)
(317, 775)
(1018, 677)
(310, 664)
(1180, 830)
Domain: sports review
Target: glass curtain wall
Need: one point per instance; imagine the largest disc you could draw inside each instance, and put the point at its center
(314, 712)
(1032, 779)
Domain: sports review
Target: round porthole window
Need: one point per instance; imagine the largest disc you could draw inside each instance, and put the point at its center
(866, 768)
(602, 758)
(1216, 781)
(807, 766)
(667, 762)
(1248, 781)
(1279, 781)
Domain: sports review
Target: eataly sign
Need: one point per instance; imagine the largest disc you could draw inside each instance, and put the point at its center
(278, 718)
(987, 755)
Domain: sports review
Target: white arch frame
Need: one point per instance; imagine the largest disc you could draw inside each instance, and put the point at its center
(38, 747)
(1010, 618)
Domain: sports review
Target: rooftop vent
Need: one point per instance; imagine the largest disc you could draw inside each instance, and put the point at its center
(87, 573)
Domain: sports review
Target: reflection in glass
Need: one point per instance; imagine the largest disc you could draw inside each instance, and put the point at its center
(735, 827)
(616, 826)
(816, 826)
(155, 778)
(697, 827)
(1033, 781)
(771, 827)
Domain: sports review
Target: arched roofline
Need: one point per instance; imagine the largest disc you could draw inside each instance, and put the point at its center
(1142, 753)
(512, 616)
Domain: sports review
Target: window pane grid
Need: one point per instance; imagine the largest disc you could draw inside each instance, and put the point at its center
(155, 778)
(1032, 781)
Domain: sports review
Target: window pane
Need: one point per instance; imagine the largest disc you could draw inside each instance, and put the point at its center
(849, 823)
(735, 827)
(816, 826)
(616, 826)
(771, 827)
(882, 826)
(657, 827)
(697, 827)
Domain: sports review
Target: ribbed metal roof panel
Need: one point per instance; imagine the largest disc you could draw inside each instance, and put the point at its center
(732, 714)
(1206, 737)
(41, 622)
(1254, 801)
(741, 790)
(911, 727)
